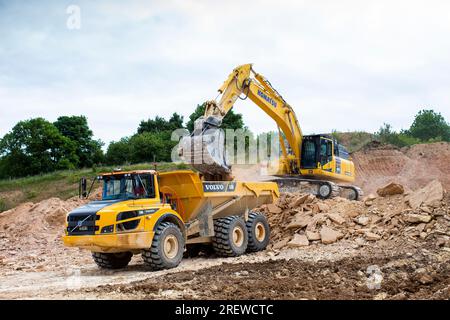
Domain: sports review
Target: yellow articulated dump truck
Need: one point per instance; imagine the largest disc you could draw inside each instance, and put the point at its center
(161, 215)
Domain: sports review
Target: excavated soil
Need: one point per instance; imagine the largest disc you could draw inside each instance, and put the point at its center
(400, 277)
(412, 166)
(30, 237)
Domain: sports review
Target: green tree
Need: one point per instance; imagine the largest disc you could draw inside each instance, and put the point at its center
(160, 124)
(147, 147)
(119, 152)
(76, 128)
(429, 125)
(36, 146)
(140, 148)
(231, 121)
(387, 135)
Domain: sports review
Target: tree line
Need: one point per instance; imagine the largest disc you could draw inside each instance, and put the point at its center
(428, 126)
(37, 146)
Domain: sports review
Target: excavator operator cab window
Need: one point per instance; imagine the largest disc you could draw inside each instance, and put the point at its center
(326, 151)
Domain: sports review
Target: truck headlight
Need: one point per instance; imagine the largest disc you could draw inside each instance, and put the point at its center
(108, 229)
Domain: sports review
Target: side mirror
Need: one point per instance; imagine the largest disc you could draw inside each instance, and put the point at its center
(82, 188)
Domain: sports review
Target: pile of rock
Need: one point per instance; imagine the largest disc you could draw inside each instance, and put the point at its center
(30, 236)
(298, 220)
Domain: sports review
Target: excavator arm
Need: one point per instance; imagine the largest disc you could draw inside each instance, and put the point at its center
(244, 83)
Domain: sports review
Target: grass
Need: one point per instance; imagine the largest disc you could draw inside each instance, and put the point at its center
(60, 184)
(3, 205)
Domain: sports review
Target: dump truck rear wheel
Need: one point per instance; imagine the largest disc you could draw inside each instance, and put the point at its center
(230, 236)
(167, 248)
(258, 232)
(112, 260)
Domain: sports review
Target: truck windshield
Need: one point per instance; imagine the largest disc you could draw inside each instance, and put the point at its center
(128, 187)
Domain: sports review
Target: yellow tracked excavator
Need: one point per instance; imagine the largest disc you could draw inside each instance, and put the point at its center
(313, 163)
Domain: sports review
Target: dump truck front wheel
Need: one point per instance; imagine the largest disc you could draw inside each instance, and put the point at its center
(112, 260)
(230, 236)
(167, 248)
(258, 232)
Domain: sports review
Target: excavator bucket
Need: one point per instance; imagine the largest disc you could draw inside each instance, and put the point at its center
(205, 150)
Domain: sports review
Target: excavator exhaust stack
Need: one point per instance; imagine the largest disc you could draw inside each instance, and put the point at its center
(204, 149)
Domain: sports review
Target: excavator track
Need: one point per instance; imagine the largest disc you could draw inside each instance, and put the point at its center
(321, 188)
(352, 192)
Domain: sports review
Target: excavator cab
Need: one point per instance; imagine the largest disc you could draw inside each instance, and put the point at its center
(323, 156)
(317, 151)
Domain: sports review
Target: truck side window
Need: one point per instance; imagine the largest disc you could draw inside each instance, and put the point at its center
(149, 185)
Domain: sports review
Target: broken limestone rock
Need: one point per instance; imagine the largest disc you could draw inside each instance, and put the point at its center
(274, 208)
(426, 209)
(280, 244)
(299, 240)
(329, 235)
(300, 221)
(323, 207)
(312, 236)
(417, 218)
(372, 236)
(370, 197)
(310, 198)
(318, 219)
(335, 217)
(299, 200)
(363, 221)
(391, 189)
(431, 195)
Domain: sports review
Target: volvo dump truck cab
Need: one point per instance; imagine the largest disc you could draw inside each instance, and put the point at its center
(160, 215)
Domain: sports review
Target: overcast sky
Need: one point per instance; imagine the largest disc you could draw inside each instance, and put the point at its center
(345, 65)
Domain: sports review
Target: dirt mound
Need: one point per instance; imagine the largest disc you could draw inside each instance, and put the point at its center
(30, 234)
(301, 219)
(413, 167)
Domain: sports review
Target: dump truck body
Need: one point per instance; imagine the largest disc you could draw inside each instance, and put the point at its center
(179, 199)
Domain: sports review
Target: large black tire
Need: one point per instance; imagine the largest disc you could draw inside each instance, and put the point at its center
(167, 248)
(112, 260)
(230, 236)
(258, 232)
